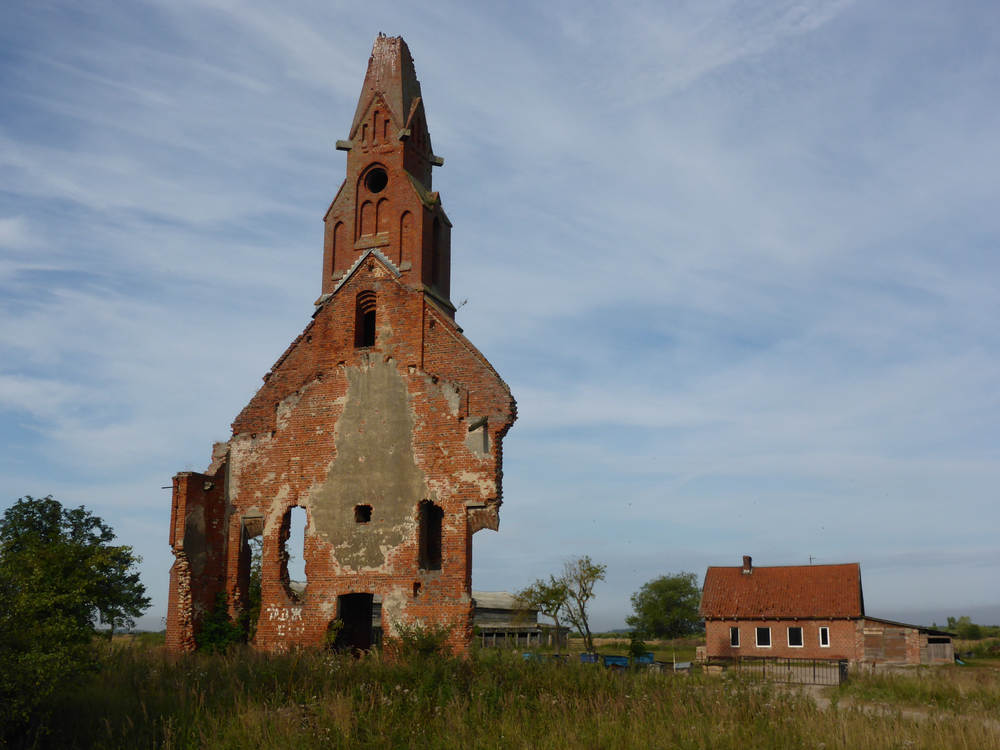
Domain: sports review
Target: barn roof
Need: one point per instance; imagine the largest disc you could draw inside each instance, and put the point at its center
(495, 600)
(803, 591)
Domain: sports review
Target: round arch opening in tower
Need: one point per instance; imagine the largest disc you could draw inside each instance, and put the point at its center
(376, 180)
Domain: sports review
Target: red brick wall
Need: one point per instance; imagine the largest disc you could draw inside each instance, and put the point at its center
(842, 639)
(197, 536)
(285, 444)
(336, 426)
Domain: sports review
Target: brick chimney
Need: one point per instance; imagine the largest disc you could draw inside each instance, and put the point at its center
(747, 567)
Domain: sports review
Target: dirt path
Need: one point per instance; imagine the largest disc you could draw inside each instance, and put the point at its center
(821, 695)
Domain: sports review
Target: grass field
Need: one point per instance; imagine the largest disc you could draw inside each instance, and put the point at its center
(144, 698)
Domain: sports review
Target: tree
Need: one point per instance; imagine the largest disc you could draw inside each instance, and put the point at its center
(581, 575)
(666, 607)
(549, 598)
(965, 628)
(72, 547)
(59, 575)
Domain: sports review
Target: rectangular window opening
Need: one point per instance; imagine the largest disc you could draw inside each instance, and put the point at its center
(824, 637)
(795, 637)
(734, 637)
(763, 637)
(362, 513)
(430, 518)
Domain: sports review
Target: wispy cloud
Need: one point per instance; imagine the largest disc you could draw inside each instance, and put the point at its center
(736, 260)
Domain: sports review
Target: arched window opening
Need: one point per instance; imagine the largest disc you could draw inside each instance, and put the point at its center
(364, 331)
(293, 560)
(430, 517)
(406, 237)
(382, 216)
(248, 586)
(339, 245)
(367, 218)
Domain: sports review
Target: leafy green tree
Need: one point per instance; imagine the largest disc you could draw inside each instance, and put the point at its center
(666, 607)
(965, 628)
(59, 576)
(548, 597)
(581, 575)
(72, 548)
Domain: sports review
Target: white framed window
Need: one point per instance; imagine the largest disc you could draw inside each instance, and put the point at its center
(763, 637)
(734, 637)
(795, 638)
(824, 637)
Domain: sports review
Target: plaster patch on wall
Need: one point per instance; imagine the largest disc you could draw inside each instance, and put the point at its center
(286, 406)
(453, 395)
(277, 510)
(374, 466)
(243, 453)
(487, 487)
(393, 604)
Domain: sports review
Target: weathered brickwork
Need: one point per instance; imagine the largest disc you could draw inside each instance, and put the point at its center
(841, 639)
(381, 419)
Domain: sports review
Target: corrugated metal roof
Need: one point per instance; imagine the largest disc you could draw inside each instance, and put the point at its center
(806, 591)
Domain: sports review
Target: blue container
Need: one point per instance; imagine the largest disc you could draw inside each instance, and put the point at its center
(588, 658)
(614, 661)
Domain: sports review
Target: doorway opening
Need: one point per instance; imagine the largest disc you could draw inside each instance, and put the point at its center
(355, 611)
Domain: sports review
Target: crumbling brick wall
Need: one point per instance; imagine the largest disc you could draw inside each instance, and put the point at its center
(381, 419)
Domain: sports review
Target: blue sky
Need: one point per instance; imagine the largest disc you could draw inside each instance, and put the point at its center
(737, 261)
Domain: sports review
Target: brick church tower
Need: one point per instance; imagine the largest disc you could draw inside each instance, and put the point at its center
(381, 423)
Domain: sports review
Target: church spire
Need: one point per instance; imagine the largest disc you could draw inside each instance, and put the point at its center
(386, 202)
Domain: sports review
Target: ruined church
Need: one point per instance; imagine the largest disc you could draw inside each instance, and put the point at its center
(381, 421)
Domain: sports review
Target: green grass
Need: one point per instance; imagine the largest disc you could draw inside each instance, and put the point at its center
(145, 698)
(958, 689)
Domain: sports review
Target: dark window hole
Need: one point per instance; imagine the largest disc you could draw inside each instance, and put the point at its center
(376, 180)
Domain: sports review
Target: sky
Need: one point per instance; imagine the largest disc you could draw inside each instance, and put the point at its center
(736, 259)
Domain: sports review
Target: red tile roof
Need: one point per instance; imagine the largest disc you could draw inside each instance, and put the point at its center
(806, 591)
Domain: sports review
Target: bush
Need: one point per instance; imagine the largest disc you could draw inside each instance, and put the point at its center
(218, 631)
(419, 641)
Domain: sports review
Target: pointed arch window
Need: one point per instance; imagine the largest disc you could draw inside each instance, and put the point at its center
(364, 320)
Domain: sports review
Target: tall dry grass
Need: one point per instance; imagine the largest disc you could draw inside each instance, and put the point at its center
(143, 698)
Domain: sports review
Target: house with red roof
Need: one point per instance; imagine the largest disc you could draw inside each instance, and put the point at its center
(807, 612)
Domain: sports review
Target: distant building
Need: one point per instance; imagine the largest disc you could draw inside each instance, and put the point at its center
(807, 612)
(500, 623)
